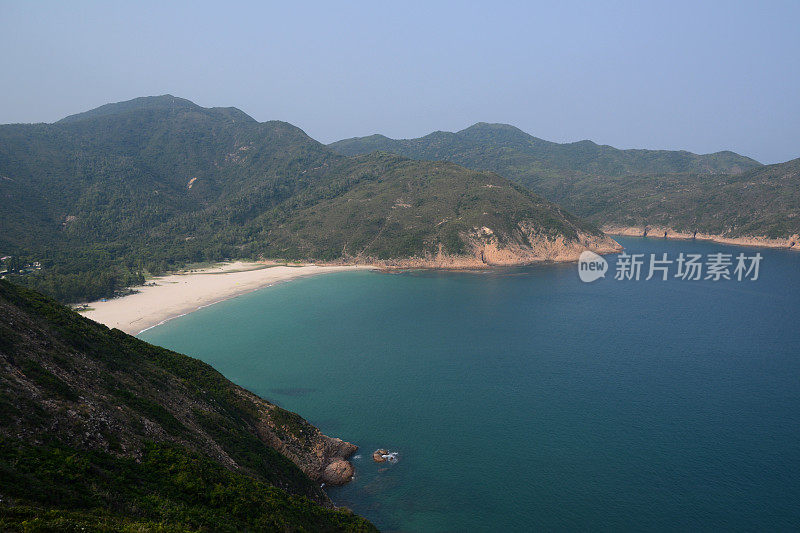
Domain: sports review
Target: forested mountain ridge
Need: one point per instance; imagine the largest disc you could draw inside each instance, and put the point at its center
(165, 102)
(102, 431)
(501, 146)
(721, 194)
(762, 202)
(84, 197)
(110, 173)
(102, 197)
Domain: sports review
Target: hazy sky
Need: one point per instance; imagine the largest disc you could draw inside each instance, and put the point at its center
(701, 76)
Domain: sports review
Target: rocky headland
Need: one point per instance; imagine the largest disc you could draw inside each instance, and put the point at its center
(655, 232)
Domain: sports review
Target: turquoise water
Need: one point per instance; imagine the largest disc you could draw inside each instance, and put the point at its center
(524, 399)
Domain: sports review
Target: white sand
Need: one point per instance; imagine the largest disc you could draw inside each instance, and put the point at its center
(177, 294)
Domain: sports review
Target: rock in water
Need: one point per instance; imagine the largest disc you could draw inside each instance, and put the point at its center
(378, 455)
(338, 472)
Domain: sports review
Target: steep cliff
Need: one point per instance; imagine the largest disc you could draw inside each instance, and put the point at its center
(98, 425)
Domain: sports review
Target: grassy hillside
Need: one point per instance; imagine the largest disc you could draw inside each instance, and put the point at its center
(101, 431)
(102, 198)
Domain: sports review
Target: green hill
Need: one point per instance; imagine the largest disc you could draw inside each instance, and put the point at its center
(100, 431)
(103, 197)
(388, 208)
(87, 197)
(111, 172)
(720, 194)
(764, 201)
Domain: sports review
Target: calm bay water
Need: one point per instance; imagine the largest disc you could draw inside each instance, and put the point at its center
(523, 398)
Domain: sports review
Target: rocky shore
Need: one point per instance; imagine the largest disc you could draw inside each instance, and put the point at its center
(324, 459)
(486, 250)
(792, 243)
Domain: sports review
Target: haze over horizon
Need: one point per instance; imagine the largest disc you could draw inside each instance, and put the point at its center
(700, 77)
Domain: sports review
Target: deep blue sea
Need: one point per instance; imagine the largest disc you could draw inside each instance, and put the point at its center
(524, 399)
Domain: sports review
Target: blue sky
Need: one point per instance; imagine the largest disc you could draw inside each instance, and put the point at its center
(701, 76)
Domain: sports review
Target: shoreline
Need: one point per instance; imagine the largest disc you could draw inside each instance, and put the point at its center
(661, 232)
(177, 294)
(174, 295)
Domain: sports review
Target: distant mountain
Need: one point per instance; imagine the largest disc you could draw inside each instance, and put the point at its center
(500, 147)
(764, 201)
(100, 431)
(721, 194)
(109, 173)
(102, 197)
(165, 102)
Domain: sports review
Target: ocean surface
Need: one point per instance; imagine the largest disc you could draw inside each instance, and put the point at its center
(526, 399)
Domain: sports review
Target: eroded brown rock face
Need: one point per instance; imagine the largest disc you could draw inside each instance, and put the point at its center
(524, 247)
(338, 472)
(531, 246)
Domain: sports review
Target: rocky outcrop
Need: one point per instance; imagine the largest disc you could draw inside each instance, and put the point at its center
(379, 455)
(531, 246)
(792, 242)
(385, 456)
(525, 247)
(338, 472)
(320, 457)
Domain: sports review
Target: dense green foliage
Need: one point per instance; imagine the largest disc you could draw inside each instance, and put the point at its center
(764, 201)
(56, 488)
(721, 193)
(97, 197)
(390, 207)
(100, 429)
(103, 198)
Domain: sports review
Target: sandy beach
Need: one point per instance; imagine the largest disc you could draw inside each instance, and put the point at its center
(174, 295)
